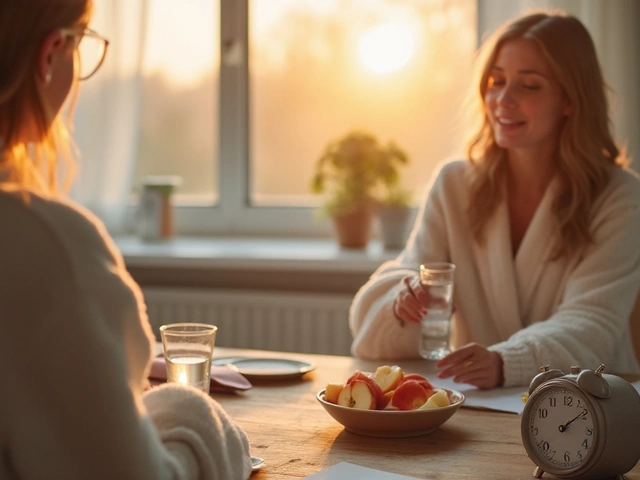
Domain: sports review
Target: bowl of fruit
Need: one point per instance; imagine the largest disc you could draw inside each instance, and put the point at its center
(389, 403)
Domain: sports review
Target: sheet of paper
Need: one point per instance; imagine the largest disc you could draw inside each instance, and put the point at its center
(350, 471)
(501, 399)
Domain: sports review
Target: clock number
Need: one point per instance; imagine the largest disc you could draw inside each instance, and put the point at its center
(579, 455)
(579, 404)
(568, 401)
(535, 431)
(589, 431)
(585, 444)
(543, 413)
(545, 446)
(552, 401)
(567, 457)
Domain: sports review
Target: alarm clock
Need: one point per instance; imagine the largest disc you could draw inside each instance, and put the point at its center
(582, 425)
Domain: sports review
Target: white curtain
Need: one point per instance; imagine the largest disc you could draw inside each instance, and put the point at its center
(107, 114)
(615, 28)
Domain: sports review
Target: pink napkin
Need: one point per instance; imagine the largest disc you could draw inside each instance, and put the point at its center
(223, 379)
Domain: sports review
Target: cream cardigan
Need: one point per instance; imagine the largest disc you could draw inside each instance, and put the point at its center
(75, 351)
(531, 310)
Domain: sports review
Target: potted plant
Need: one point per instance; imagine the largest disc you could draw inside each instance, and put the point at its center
(394, 214)
(350, 174)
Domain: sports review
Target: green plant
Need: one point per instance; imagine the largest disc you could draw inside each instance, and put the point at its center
(357, 171)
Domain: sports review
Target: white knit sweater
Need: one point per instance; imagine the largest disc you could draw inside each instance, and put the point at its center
(531, 310)
(75, 350)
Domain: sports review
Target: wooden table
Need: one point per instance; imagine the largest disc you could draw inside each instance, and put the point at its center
(289, 428)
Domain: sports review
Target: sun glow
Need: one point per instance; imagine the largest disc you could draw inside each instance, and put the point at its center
(386, 47)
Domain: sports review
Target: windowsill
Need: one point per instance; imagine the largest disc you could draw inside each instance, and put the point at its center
(255, 253)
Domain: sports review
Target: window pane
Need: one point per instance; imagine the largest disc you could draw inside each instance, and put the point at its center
(319, 69)
(179, 128)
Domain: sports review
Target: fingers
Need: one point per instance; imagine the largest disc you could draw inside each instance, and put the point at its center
(408, 305)
(473, 364)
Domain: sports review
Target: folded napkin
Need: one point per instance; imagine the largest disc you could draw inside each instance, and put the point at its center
(223, 379)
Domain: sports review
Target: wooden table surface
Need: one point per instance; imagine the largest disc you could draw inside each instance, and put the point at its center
(288, 427)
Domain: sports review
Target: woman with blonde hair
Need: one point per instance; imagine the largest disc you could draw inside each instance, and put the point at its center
(541, 221)
(76, 346)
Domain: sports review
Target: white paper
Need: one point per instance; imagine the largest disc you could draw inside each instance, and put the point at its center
(500, 399)
(350, 471)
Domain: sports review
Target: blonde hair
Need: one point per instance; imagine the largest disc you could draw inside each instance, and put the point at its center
(586, 150)
(31, 163)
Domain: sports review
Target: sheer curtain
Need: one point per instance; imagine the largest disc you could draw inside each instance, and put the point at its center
(614, 27)
(106, 119)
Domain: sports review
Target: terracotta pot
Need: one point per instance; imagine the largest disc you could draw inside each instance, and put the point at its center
(353, 230)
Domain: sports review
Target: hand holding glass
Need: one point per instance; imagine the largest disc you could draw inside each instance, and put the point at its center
(437, 280)
(188, 349)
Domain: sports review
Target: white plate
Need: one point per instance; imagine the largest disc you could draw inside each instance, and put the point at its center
(392, 423)
(256, 463)
(270, 368)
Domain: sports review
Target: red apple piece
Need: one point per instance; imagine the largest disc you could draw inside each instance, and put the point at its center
(409, 395)
(369, 380)
(417, 378)
(357, 395)
(386, 400)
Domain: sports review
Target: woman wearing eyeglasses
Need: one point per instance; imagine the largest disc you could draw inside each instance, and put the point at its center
(75, 343)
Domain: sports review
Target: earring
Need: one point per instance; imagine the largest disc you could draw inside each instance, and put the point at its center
(47, 78)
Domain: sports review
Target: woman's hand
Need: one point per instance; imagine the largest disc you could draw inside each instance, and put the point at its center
(473, 364)
(409, 304)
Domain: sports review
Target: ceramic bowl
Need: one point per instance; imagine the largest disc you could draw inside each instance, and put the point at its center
(392, 423)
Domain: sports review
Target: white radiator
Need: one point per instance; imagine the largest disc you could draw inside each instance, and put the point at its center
(284, 321)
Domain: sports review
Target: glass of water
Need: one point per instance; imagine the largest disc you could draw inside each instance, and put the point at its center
(188, 348)
(437, 280)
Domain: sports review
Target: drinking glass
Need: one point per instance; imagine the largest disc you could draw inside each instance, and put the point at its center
(437, 280)
(188, 349)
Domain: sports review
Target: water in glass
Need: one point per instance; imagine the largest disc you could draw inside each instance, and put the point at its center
(434, 339)
(189, 369)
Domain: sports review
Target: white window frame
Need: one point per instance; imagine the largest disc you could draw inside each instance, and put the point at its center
(234, 215)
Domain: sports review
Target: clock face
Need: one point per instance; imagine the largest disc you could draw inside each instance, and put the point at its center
(561, 428)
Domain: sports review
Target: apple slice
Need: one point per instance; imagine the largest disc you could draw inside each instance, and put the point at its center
(409, 395)
(439, 399)
(388, 377)
(357, 395)
(386, 400)
(417, 378)
(369, 380)
(332, 391)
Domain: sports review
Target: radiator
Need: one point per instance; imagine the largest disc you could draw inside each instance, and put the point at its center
(283, 321)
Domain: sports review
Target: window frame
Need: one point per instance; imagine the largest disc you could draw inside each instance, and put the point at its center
(234, 214)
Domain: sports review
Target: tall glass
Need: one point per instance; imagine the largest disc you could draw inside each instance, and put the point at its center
(188, 349)
(437, 280)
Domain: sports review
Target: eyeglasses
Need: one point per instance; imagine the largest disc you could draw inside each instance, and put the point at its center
(91, 48)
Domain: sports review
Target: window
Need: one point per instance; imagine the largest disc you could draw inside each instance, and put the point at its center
(179, 119)
(241, 96)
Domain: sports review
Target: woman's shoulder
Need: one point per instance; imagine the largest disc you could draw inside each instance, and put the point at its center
(624, 186)
(450, 174)
(453, 168)
(72, 226)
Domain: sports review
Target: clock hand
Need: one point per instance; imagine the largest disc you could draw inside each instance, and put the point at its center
(562, 428)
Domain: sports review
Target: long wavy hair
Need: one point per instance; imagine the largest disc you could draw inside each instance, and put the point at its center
(586, 151)
(32, 137)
